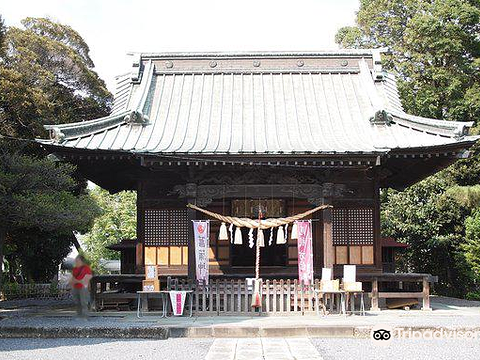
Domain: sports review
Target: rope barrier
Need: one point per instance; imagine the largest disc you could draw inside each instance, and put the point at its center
(255, 224)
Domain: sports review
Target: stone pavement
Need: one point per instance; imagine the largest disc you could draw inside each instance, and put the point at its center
(263, 349)
(37, 321)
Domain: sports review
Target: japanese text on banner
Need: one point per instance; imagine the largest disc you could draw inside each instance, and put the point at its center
(305, 251)
(201, 229)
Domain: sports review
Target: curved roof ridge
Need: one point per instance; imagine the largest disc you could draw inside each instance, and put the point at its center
(72, 130)
(442, 127)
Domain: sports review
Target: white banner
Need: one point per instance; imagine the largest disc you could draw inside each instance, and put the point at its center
(178, 301)
(305, 251)
(201, 230)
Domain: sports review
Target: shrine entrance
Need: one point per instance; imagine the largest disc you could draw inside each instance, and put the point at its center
(272, 254)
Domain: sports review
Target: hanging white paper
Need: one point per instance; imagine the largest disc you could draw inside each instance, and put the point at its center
(349, 273)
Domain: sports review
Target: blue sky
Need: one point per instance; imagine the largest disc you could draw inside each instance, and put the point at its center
(112, 28)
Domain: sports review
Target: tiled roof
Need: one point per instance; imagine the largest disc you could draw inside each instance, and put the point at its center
(261, 103)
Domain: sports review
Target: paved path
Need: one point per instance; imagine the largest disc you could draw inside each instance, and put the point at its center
(448, 312)
(263, 349)
(197, 349)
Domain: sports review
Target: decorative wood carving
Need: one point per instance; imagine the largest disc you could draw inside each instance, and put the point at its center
(248, 208)
(260, 176)
(314, 193)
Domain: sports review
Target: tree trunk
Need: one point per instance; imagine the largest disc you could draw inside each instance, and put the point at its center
(76, 243)
(3, 236)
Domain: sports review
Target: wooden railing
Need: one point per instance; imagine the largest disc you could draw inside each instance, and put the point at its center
(231, 296)
(234, 297)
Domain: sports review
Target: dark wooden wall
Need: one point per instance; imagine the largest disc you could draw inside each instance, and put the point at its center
(360, 191)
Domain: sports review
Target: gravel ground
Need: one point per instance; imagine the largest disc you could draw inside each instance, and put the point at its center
(398, 349)
(36, 303)
(73, 321)
(103, 349)
(195, 349)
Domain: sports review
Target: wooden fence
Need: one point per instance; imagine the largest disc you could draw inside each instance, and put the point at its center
(35, 291)
(234, 297)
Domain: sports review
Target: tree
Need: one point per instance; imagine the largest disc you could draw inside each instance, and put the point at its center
(34, 255)
(466, 196)
(47, 77)
(433, 47)
(431, 222)
(2, 34)
(118, 221)
(472, 244)
(36, 193)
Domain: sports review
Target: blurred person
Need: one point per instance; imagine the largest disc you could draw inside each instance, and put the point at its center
(80, 283)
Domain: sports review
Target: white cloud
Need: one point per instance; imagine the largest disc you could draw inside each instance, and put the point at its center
(112, 28)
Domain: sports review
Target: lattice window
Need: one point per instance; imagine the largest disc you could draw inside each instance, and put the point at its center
(352, 226)
(340, 226)
(166, 227)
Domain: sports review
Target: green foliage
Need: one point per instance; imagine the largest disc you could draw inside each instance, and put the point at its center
(433, 47)
(47, 77)
(466, 172)
(432, 223)
(472, 244)
(40, 212)
(2, 34)
(35, 255)
(475, 296)
(118, 221)
(466, 196)
(37, 193)
(351, 37)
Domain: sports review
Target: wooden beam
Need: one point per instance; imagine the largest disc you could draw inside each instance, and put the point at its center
(401, 295)
(328, 250)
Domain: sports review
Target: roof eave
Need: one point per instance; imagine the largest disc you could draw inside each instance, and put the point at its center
(257, 54)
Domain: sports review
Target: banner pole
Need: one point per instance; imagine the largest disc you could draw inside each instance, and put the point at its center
(256, 301)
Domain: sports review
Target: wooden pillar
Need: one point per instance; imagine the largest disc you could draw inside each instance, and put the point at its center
(377, 242)
(192, 274)
(426, 294)
(328, 250)
(191, 190)
(93, 293)
(139, 265)
(318, 244)
(374, 306)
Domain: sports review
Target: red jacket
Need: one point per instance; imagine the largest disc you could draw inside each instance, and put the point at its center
(79, 273)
